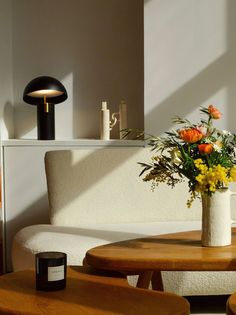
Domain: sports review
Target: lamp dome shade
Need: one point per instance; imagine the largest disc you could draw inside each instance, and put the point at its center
(44, 87)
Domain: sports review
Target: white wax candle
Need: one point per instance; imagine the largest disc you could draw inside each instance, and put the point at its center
(104, 122)
(104, 105)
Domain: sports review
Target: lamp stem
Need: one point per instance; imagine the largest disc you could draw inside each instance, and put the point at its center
(46, 122)
(46, 106)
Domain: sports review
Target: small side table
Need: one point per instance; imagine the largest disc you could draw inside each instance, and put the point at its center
(86, 293)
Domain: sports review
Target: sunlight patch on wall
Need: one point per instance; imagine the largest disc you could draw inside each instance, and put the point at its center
(180, 42)
(185, 49)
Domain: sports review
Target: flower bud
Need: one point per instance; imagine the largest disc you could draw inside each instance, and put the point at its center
(214, 112)
(205, 148)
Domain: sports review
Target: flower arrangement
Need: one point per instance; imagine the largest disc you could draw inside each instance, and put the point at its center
(199, 152)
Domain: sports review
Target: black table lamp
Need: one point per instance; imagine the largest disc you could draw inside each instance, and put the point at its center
(45, 92)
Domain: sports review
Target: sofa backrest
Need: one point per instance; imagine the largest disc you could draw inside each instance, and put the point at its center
(88, 186)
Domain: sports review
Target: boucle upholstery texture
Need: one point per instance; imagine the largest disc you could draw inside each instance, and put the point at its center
(96, 197)
(77, 240)
(103, 186)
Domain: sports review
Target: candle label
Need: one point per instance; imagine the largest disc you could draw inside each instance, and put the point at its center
(56, 273)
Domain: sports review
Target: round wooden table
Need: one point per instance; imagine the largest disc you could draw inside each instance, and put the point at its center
(182, 251)
(86, 293)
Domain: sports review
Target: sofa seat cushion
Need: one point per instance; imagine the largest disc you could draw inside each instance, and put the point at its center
(76, 241)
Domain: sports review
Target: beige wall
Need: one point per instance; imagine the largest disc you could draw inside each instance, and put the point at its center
(6, 92)
(95, 47)
(190, 60)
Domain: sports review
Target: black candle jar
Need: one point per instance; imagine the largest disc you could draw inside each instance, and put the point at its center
(50, 271)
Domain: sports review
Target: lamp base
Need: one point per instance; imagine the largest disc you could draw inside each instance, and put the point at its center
(46, 122)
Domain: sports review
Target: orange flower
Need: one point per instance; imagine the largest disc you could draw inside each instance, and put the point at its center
(205, 148)
(190, 135)
(214, 112)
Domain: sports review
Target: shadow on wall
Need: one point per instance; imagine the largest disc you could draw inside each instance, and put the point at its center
(27, 114)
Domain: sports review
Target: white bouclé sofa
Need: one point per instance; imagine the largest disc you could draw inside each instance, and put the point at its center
(96, 197)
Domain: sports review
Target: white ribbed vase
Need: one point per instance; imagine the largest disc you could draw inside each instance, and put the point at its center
(216, 218)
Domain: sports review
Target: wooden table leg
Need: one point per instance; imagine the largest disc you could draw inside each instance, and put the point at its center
(156, 280)
(144, 279)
